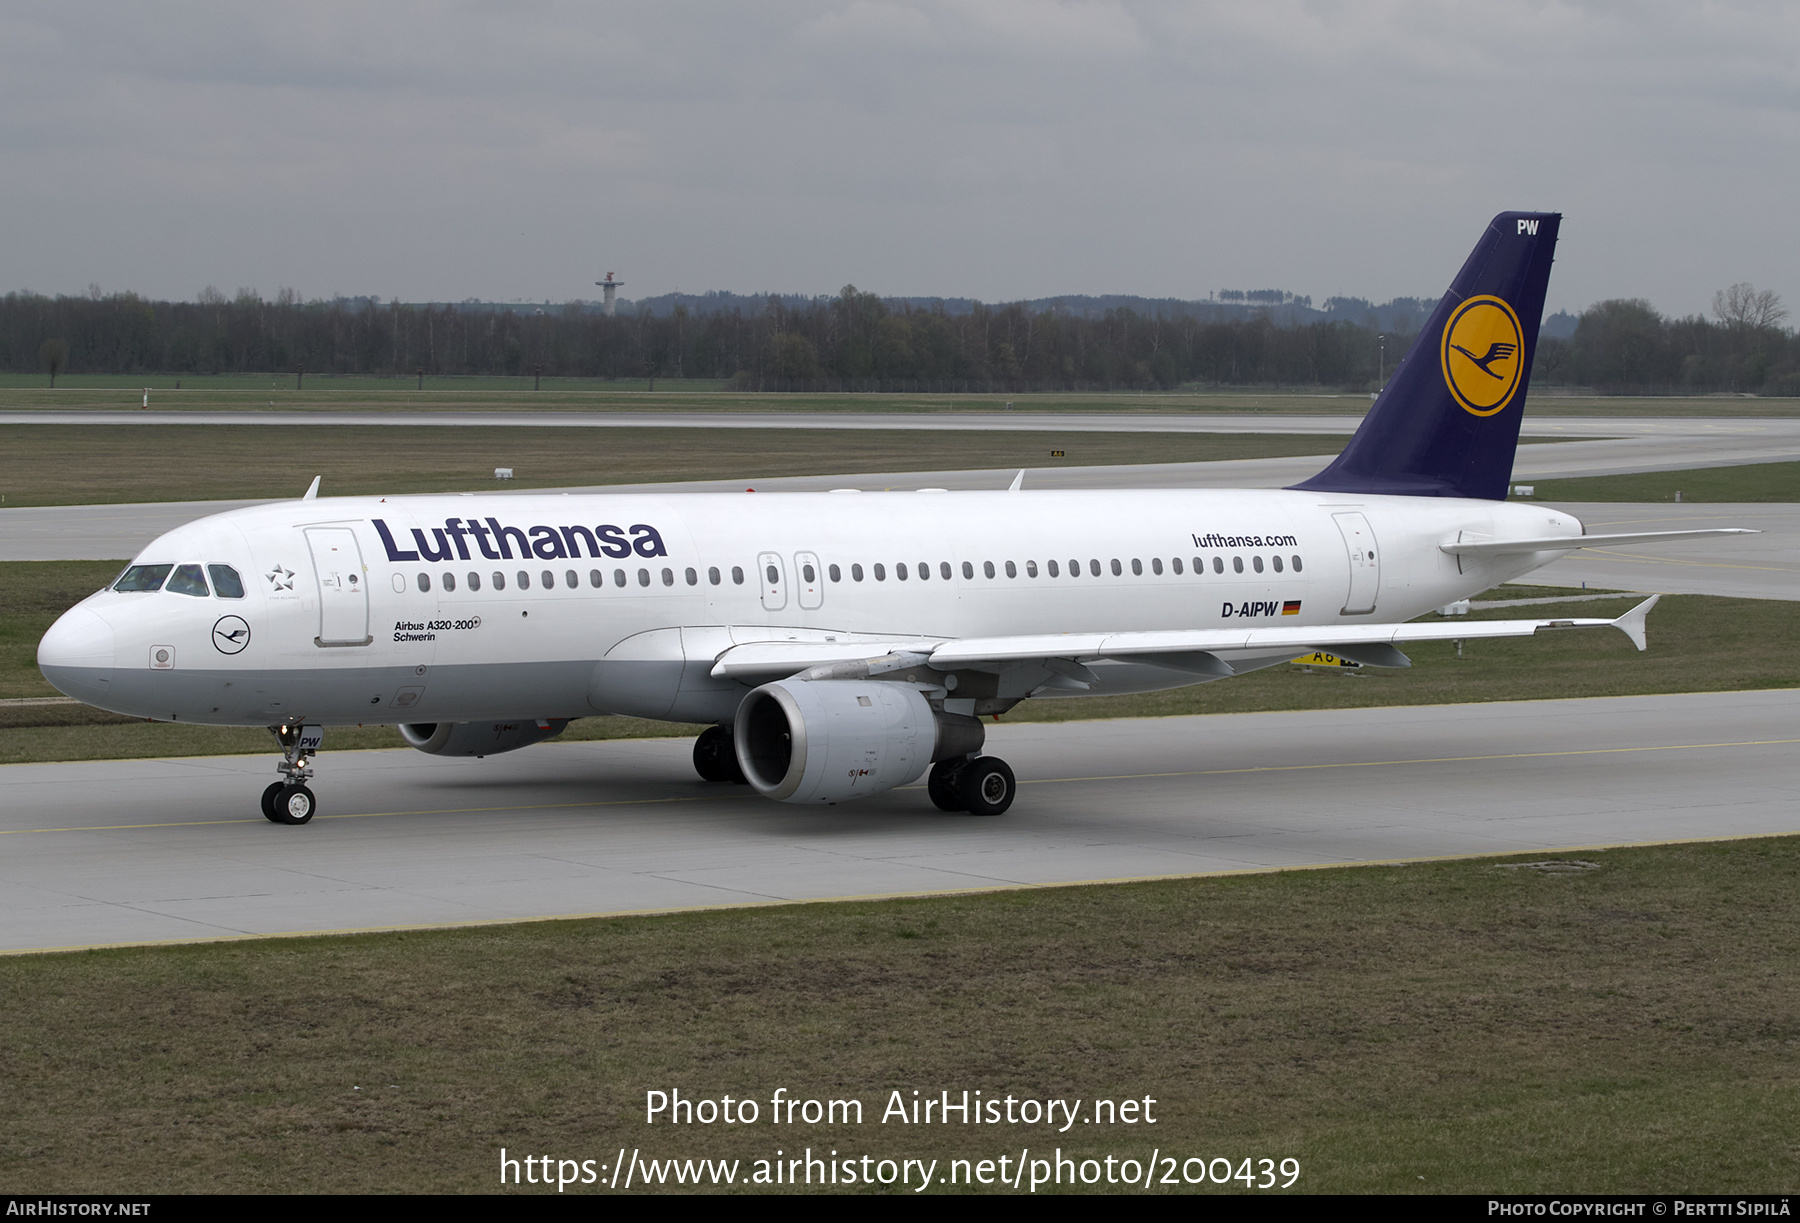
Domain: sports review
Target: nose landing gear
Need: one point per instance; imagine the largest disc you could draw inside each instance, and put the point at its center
(288, 801)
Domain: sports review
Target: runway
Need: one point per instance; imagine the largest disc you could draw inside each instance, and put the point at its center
(172, 850)
(1762, 566)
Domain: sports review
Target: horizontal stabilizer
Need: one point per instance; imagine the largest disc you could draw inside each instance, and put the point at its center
(1568, 543)
(1632, 623)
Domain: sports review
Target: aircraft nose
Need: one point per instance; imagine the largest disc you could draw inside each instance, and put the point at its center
(77, 655)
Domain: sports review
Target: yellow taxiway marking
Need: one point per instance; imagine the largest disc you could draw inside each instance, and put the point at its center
(872, 897)
(1375, 764)
(365, 815)
(1672, 560)
(1045, 781)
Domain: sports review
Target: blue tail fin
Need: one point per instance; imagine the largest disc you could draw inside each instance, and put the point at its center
(1447, 423)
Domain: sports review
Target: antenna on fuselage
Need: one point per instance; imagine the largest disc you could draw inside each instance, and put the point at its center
(312, 490)
(1018, 480)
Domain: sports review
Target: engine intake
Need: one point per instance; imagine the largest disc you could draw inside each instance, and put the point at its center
(480, 738)
(808, 741)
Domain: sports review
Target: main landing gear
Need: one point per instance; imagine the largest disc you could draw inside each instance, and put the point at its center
(981, 786)
(288, 801)
(715, 757)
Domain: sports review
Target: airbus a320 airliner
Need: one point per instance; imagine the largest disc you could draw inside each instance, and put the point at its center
(841, 644)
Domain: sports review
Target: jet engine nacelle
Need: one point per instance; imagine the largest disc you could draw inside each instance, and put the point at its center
(480, 738)
(825, 741)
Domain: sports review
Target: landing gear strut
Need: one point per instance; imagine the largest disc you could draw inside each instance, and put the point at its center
(715, 757)
(982, 786)
(288, 801)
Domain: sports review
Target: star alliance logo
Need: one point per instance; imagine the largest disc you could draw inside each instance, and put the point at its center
(280, 578)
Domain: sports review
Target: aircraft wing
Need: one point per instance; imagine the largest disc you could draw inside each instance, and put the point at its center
(1300, 638)
(783, 658)
(1568, 543)
(1195, 650)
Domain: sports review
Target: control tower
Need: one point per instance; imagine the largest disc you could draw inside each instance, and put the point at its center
(609, 288)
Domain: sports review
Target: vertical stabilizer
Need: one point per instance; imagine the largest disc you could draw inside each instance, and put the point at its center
(1447, 423)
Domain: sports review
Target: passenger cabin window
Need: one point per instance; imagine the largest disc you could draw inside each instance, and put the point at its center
(856, 573)
(424, 582)
(1175, 564)
(188, 580)
(596, 579)
(1256, 563)
(643, 577)
(449, 581)
(969, 570)
(226, 583)
(1155, 566)
(900, 571)
(1030, 569)
(837, 575)
(880, 572)
(987, 567)
(1276, 561)
(693, 579)
(1237, 564)
(712, 574)
(1296, 564)
(737, 575)
(474, 581)
(549, 580)
(1094, 566)
(808, 574)
(524, 580)
(499, 580)
(1118, 570)
(619, 578)
(944, 570)
(1218, 564)
(572, 580)
(668, 577)
(1052, 567)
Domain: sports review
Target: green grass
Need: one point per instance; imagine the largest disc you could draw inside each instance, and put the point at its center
(83, 464)
(1698, 643)
(1446, 1027)
(263, 392)
(1747, 482)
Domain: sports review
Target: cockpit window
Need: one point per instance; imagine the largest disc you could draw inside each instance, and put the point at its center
(143, 577)
(226, 583)
(188, 580)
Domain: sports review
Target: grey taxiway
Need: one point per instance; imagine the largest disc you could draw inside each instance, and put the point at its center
(173, 850)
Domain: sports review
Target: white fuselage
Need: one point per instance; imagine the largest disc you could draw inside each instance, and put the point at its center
(545, 612)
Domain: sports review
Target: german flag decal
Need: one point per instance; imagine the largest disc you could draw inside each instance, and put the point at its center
(1291, 608)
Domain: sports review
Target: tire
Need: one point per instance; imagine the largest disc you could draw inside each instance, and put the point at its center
(941, 785)
(268, 801)
(295, 805)
(715, 756)
(986, 786)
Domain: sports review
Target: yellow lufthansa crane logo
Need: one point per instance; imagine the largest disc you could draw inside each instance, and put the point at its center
(1483, 354)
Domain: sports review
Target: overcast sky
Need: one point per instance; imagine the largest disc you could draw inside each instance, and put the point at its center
(996, 149)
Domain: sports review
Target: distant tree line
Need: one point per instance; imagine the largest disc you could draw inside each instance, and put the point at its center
(1625, 347)
(857, 341)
